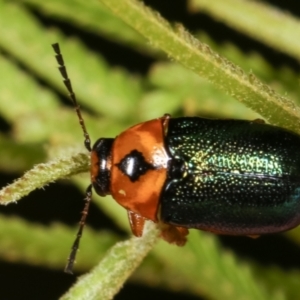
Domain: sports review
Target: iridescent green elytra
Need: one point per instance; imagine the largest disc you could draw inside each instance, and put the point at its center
(231, 176)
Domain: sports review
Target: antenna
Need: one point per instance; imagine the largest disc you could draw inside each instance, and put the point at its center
(87, 143)
(63, 71)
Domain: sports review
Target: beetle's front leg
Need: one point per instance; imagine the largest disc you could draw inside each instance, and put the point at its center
(136, 222)
(173, 234)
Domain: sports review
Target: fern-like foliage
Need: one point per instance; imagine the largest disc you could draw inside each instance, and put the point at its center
(187, 74)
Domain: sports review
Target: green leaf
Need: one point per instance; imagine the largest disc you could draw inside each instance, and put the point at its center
(105, 280)
(191, 53)
(87, 15)
(51, 249)
(42, 128)
(258, 20)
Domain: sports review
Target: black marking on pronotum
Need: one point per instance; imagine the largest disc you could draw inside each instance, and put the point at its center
(134, 165)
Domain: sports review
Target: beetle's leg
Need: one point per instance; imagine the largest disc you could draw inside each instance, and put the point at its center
(136, 222)
(173, 234)
(253, 236)
(259, 121)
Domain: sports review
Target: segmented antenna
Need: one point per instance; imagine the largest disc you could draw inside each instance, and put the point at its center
(63, 71)
(87, 143)
(75, 246)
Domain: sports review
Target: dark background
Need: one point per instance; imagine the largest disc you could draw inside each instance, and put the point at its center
(55, 206)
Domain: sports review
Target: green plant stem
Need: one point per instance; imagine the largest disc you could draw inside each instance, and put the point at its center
(106, 279)
(42, 175)
(258, 20)
(191, 53)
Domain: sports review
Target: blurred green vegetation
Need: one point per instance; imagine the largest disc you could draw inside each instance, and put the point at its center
(44, 130)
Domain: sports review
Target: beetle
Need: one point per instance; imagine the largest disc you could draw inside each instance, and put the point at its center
(232, 177)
